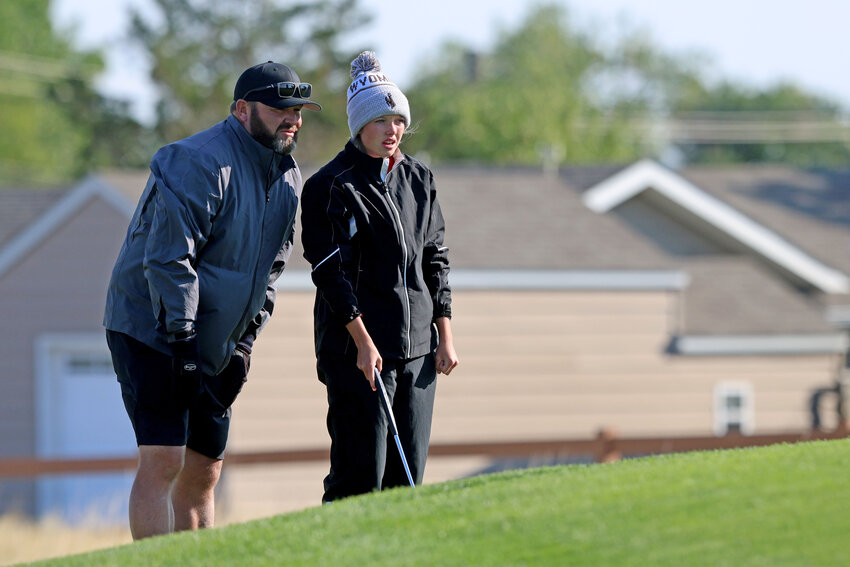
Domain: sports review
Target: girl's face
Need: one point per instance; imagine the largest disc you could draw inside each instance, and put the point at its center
(381, 136)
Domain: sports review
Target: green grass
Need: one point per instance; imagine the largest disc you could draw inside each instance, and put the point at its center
(772, 506)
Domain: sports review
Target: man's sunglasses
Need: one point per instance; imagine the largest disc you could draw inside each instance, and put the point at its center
(287, 90)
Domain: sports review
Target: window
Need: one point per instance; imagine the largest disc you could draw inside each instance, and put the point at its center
(733, 408)
(90, 364)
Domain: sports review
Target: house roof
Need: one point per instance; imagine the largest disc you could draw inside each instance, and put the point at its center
(20, 207)
(810, 208)
(587, 228)
(738, 295)
(520, 218)
(523, 219)
(757, 238)
(41, 212)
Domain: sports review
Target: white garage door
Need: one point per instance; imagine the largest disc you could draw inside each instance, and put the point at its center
(81, 415)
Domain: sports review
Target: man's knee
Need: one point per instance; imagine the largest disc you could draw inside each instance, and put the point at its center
(200, 471)
(159, 462)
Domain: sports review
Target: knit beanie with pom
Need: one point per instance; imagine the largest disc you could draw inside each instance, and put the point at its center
(372, 95)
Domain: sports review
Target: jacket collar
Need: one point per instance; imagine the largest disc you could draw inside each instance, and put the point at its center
(369, 164)
(258, 154)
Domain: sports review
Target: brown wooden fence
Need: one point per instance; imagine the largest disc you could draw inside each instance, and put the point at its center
(605, 447)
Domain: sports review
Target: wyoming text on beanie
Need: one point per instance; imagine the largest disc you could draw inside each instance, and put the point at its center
(372, 95)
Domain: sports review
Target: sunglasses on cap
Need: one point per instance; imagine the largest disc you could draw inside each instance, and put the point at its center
(286, 89)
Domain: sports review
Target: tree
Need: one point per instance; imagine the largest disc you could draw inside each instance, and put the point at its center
(527, 101)
(199, 48)
(56, 127)
(39, 142)
(721, 121)
(547, 91)
(782, 123)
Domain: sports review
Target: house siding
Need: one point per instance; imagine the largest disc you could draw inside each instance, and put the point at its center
(540, 365)
(79, 255)
(534, 366)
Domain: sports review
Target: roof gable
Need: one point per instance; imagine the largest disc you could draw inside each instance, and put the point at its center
(648, 175)
(20, 207)
(54, 216)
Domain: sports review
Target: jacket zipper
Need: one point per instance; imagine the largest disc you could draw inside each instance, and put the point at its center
(260, 248)
(403, 267)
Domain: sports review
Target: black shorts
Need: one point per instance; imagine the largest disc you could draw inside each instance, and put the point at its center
(158, 418)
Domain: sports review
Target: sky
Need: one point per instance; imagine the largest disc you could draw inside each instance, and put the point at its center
(755, 42)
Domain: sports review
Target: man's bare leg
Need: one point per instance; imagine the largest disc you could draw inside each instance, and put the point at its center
(194, 492)
(151, 512)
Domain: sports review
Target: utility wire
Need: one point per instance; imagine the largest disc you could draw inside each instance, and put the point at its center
(725, 131)
(697, 127)
(41, 67)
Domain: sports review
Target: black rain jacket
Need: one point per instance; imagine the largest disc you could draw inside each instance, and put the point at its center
(375, 244)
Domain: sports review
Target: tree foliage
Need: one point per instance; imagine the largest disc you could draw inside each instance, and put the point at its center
(199, 48)
(56, 126)
(724, 121)
(547, 90)
(807, 129)
(526, 101)
(42, 139)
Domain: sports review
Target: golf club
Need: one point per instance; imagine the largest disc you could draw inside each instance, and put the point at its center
(386, 402)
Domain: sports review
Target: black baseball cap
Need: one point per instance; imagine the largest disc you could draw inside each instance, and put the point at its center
(251, 83)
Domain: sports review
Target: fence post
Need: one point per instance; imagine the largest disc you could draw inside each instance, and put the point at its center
(607, 452)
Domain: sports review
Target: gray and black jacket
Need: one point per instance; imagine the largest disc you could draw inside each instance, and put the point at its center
(211, 234)
(375, 243)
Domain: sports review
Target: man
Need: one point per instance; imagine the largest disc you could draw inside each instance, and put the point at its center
(194, 284)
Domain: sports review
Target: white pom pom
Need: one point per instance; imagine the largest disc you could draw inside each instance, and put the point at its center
(366, 62)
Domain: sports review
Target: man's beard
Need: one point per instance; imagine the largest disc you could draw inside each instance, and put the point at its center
(270, 139)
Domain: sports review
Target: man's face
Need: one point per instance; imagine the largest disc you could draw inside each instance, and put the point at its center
(275, 128)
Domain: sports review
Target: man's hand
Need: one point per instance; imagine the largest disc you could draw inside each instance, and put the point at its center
(186, 369)
(245, 356)
(226, 386)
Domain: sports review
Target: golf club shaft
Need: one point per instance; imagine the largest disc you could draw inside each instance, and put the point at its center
(385, 400)
(404, 461)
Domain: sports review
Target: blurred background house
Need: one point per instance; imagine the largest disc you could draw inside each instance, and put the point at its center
(663, 303)
(637, 245)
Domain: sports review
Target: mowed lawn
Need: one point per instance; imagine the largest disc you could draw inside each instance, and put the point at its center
(771, 506)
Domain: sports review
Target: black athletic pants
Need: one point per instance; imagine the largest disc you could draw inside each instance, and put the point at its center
(364, 456)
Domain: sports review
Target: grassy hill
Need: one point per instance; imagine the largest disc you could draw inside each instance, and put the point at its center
(786, 505)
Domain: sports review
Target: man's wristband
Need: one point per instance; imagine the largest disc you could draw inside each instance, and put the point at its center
(183, 335)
